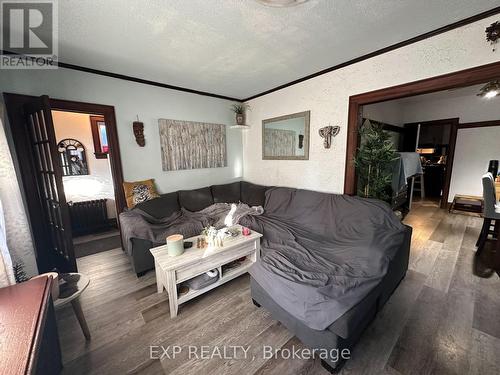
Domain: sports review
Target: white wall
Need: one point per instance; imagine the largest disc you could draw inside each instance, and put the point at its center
(17, 227)
(467, 108)
(390, 112)
(150, 103)
(98, 184)
(462, 103)
(474, 149)
(327, 97)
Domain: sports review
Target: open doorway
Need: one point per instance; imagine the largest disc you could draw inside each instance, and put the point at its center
(40, 170)
(432, 141)
(452, 133)
(468, 77)
(83, 148)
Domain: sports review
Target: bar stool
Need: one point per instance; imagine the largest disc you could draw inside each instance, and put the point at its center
(491, 212)
(418, 185)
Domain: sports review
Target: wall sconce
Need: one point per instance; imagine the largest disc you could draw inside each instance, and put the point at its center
(139, 132)
(327, 133)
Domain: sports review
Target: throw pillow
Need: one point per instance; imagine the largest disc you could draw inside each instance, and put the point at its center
(139, 191)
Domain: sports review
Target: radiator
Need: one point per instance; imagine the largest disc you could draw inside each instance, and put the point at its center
(88, 216)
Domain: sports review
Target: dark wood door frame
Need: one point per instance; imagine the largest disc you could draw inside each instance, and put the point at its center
(479, 124)
(108, 112)
(452, 140)
(18, 138)
(461, 78)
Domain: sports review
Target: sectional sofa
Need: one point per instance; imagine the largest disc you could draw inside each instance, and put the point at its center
(335, 232)
(192, 200)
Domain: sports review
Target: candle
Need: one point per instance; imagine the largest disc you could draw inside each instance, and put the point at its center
(175, 245)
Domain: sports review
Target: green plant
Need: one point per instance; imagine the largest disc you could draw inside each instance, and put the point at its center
(374, 162)
(240, 108)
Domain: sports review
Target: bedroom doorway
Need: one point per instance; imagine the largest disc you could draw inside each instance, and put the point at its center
(83, 148)
(40, 170)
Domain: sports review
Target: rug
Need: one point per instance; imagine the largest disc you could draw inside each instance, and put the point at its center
(97, 246)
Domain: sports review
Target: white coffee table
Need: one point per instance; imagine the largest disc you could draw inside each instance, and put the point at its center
(171, 271)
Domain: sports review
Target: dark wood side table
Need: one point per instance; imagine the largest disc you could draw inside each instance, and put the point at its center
(28, 332)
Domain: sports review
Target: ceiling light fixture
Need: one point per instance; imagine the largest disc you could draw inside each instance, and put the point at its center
(490, 90)
(281, 3)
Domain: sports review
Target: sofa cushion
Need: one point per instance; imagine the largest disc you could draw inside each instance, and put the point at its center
(253, 195)
(161, 207)
(196, 200)
(227, 193)
(139, 191)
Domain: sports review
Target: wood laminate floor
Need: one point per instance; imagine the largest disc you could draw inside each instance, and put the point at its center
(441, 320)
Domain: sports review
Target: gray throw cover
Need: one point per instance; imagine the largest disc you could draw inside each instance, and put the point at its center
(137, 223)
(323, 253)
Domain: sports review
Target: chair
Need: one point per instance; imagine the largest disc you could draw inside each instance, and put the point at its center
(491, 211)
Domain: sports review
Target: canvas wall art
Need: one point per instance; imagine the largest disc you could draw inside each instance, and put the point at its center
(192, 145)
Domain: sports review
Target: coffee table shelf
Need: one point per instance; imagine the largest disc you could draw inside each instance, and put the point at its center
(230, 275)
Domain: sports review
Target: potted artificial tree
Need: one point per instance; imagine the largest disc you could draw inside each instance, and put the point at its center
(374, 162)
(240, 109)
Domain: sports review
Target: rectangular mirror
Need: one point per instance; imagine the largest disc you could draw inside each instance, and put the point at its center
(286, 137)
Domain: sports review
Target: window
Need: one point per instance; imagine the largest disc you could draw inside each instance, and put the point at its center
(101, 147)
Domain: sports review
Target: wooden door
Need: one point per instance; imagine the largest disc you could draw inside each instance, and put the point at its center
(48, 173)
(410, 138)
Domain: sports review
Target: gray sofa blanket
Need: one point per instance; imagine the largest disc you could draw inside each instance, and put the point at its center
(323, 253)
(136, 223)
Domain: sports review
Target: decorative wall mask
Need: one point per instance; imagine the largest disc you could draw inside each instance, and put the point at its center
(327, 133)
(139, 132)
(493, 33)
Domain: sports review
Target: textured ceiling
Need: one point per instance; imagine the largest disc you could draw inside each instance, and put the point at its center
(239, 48)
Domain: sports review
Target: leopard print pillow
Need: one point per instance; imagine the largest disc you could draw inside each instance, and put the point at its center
(139, 191)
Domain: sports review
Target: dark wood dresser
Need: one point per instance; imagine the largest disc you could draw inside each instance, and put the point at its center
(29, 343)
